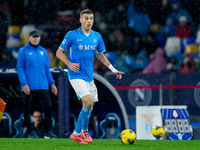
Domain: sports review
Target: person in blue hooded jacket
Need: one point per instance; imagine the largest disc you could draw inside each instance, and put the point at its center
(35, 78)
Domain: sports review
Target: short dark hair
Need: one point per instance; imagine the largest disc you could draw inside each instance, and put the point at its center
(85, 11)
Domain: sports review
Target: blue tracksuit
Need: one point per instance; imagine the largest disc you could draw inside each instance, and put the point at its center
(33, 68)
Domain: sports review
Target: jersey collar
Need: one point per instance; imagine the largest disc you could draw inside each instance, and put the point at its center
(80, 31)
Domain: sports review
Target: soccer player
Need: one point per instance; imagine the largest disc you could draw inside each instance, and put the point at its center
(81, 45)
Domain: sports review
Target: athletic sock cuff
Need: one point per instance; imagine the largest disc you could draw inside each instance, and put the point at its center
(76, 134)
(85, 109)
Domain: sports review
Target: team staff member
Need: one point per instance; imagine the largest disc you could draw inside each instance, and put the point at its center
(81, 45)
(35, 77)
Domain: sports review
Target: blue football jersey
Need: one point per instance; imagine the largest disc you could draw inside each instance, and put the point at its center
(81, 49)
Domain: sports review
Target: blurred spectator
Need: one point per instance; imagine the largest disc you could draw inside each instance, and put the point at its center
(118, 38)
(178, 11)
(157, 11)
(68, 5)
(139, 62)
(183, 30)
(120, 63)
(193, 8)
(151, 44)
(104, 6)
(7, 59)
(13, 37)
(158, 63)
(169, 28)
(164, 11)
(137, 45)
(138, 21)
(100, 22)
(173, 65)
(83, 4)
(5, 17)
(117, 16)
(188, 65)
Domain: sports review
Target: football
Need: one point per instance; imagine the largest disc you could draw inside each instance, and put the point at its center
(158, 131)
(127, 136)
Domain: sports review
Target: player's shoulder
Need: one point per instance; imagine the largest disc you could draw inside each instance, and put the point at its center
(71, 33)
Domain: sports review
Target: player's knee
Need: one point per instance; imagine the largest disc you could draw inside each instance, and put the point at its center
(87, 101)
(88, 104)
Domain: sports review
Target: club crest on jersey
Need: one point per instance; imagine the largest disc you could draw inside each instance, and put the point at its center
(94, 40)
(41, 52)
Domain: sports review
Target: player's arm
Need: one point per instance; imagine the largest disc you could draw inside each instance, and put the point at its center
(73, 66)
(21, 72)
(107, 63)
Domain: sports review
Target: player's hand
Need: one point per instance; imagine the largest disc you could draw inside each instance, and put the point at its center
(119, 74)
(54, 89)
(26, 89)
(74, 67)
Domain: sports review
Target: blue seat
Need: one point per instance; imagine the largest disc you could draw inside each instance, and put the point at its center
(111, 126)
(21, 130)
(52, 119)
(6, 125)
(97, 128)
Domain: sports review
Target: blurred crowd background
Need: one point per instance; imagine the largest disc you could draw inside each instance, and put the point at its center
(141, 36)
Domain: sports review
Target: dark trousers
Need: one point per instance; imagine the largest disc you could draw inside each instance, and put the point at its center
(37, 100)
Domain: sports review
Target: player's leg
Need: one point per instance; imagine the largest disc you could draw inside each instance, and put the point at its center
(76, 135)
(81, 90)
(88, 102)
(86, 111)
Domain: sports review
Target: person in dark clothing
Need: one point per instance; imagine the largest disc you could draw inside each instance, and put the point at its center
(38, 124)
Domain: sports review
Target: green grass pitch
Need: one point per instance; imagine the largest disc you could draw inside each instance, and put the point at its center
(98, 144)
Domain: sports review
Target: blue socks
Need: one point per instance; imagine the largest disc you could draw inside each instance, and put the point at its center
(83, 120)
